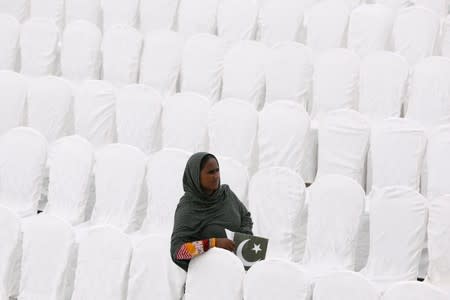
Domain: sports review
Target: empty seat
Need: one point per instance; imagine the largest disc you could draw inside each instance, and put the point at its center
(445, 38)
(236, 19)
(197, 16)
(414, 291)
(9, 42)
(234, 174)
(48, 9)
(157, 14)
(87, 10)
(13, 94)
(18, 9)
(117, 12)
(438, 6)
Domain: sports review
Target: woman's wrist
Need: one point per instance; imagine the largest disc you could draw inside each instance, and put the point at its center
(212, 242)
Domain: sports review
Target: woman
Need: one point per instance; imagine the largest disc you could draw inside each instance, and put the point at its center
(204, 211)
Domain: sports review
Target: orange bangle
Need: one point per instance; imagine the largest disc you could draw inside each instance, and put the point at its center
(212, 242)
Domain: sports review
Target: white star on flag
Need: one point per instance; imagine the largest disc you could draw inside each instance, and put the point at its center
(256, 248)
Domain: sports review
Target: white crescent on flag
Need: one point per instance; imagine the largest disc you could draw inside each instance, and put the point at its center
(239, 254)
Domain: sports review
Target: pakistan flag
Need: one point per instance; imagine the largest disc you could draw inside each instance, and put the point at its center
(249, 248)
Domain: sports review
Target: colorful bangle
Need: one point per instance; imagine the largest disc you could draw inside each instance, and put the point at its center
(212, 242)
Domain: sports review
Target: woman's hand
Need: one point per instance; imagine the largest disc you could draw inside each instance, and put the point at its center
(225, 244)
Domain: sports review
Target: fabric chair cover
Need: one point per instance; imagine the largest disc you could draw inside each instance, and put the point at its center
(243, 72)
(157, 15)
(197, 16)
(161, 60)
(396, 4)
(344, 285)
(202, 66)
(414, 291)
(94, 112)
(185, 123)
(18, 8)
(9, 42)
(80, 51)
(275, 279)
(23, 153)
(38, 47)
(335, 207)
(48, 9)
(289, 70)
(164, 185)
(119, 180)
(232, 128)
(48, 259)
(415, 33)
(396, 154)
(49, 107)
(70, 162)
(104, 256)
(398, 217)
(283, 145)
(438, 6)
(445, 38)
(276, 196)
(382, 85)
(138, 113)
(13, 94)
(429, 91)
(203, 279)
(87, 10)
(150, 254)
(370, 28)
(236, 19)
(234, 174)
(343, 145)
(117, 12)
(335, 81)
(122, 47)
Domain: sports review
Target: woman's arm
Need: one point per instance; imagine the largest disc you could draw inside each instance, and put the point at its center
(246, 220)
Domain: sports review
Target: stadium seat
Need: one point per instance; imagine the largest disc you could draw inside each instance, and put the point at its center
(236, 19)
(414, 291)
(118, 12)
(197, 17)
(9, 42)
(235, 175)
(157, 15)
(87, 10)
(48, 9)
(18, 9)
(13, 95)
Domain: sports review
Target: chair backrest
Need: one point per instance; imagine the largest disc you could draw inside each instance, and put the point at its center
(395, 4)
(87, 10)
(236, 175)
(197, 16)
(445, 38)
(414, 291)
(9, 42)
(13, 95)
(438, 6)
(18, 9)
(117, 12)
(236, 19)
(157, 15)
(48, 9)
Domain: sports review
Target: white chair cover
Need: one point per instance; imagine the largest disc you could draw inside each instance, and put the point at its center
(275, 279)
(38, 47)
(150, 254)
(232, 128)
(94, 112)
(48, 259)
(396, 4)
(343, 145)
(87, 10)
(161, 60)
(276, 196)
(103, 263)
(184, 122)
(9, 42)
(138, 113)
(164, 184)
(117, 12)
(80, 51)
(70, 162)
(430, 91)
(382, 85)
(121, 47)
(344, 285)
(204, 282)
(49, 107)
(236, 19)
(197, 16)
(396, 154)
(18, 8)
(289, 70)
(243, 72)
(234, 174)
(335, 81)
(370, 28)
(445, 38)
(398, 217)
(23, 153)
(48, 9)
(414, 291)
(415, 33)
(441, 7)
(157, 14)
(119, 187)
(335, 207)
(13, 94)
(283, 145)
(202, 66)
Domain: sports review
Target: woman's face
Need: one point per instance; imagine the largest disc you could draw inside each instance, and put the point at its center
(210, 176)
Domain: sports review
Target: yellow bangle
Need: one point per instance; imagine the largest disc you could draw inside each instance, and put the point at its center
(212, 242)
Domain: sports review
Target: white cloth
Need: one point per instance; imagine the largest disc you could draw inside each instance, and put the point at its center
(276, 196)
(445, 38)
(104, 256)
(414, 291)
(236, 19)
(197, 16)
(48, 259)
(441, 7)
(121, 47)
(234, 174)
(23, 153)
(13, 94)
(87, 10)
(202, 65)
(343, 144)
(119, 187)
(284, 144)
(415, 33)
(157, 14)
(396, 4)
(383, 79)
(9, 42)
(117, 12)
(289, 71)
(80, 51)
(184, 122)
(94, 112)
(70, 162)
(38, 47)
(18, 8)
(161, 61)
(48, 9)
(232, 128)
(335, 207)
(275, 279)
(395, 247)
(204, 278)
(344, 285)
